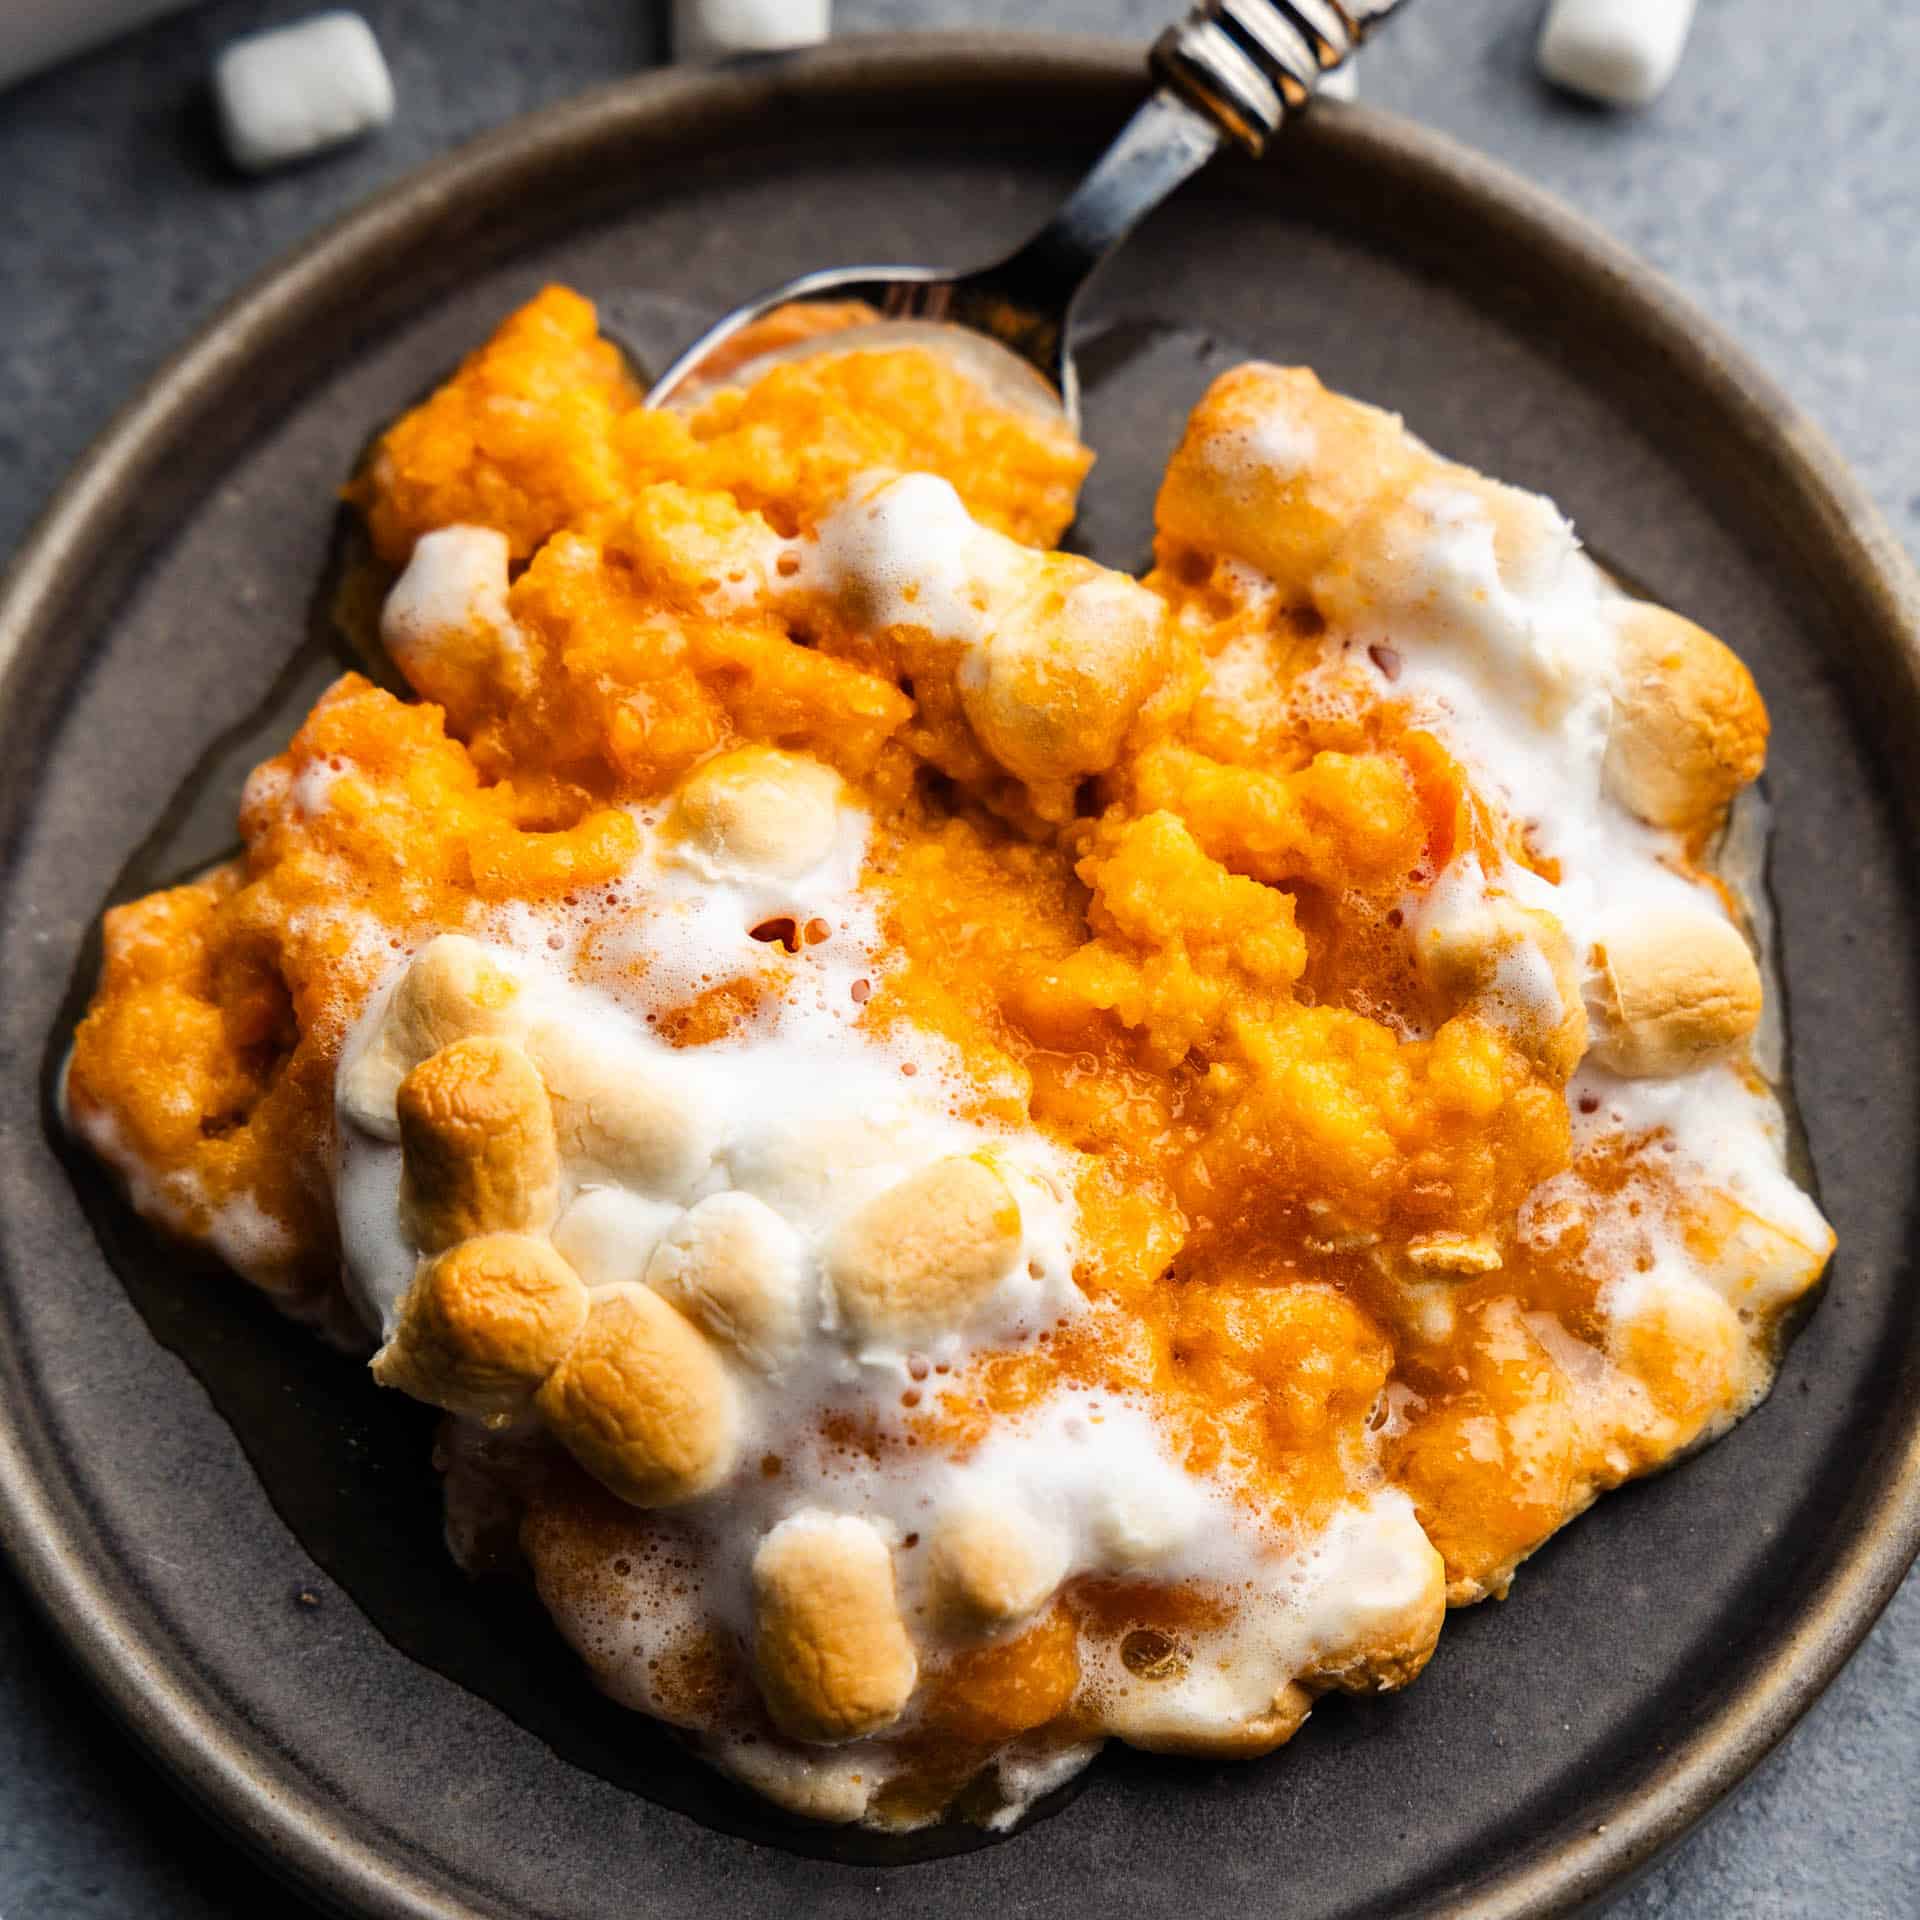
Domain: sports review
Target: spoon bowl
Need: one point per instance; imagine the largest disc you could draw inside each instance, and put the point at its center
(1005, 376)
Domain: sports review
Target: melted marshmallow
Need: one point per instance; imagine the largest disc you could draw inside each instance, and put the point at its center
(812, 1113)
(1510, 661)
(906, 553)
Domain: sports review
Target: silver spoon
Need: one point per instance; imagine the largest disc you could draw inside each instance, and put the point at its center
(1231, 71)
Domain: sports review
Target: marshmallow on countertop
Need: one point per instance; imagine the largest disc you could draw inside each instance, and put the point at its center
(705, 29)
(1343, 83)
(36, 33)
(299, 90)
(1622, 52)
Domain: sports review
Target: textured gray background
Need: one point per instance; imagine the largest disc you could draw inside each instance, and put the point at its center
(1778, 182)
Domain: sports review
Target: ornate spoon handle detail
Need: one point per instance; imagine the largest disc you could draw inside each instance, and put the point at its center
(1244, 63)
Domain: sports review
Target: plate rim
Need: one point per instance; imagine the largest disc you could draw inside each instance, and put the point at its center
(54, 1553)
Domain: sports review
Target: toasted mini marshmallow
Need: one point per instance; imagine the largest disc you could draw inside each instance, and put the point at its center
(797, 1163)
(608, 1234)
(829, 1645)
(1394, 1604)
(835, 1789)
(1065, 671)
(477, 1138)
(925, 1255)
(1689, 728)
(735, 1268)
(1510, 964)
(618, 1115)
(446, 621)
(483, 1325)
(759, 811)
(1684, 1343)
(1157, 1721)
(1531, 537)
(992, 1569)
(1138, 1524)
(452, 989)
(1677, 989)
(1472, 568)
(643, 1402)
(1760, 1262)
(1273, 470)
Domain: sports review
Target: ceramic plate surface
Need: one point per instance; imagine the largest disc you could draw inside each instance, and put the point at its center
(178, 1468)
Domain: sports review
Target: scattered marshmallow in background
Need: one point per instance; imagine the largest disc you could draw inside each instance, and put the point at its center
(1343, 83)
(36, 33)
(1620, 52)
(299, 90)
(708, 28)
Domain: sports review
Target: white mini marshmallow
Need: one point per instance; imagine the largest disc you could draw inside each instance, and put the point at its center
(608, 1235)
(299, 90)
(705, 29)
(1138, 1524)
(1343, 83)
(36, 33)
(456, 579)
(1622, 52)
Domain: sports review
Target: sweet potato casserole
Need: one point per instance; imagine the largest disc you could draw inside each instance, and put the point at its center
(982, 1154)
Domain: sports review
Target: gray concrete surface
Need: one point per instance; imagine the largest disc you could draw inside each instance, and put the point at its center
(1778, 182)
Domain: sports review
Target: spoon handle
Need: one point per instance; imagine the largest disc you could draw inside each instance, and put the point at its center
(1031, 290)
(1231, 71)
(1245, 63)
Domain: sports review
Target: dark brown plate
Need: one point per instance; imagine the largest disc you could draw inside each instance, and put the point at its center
(177, 1467)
